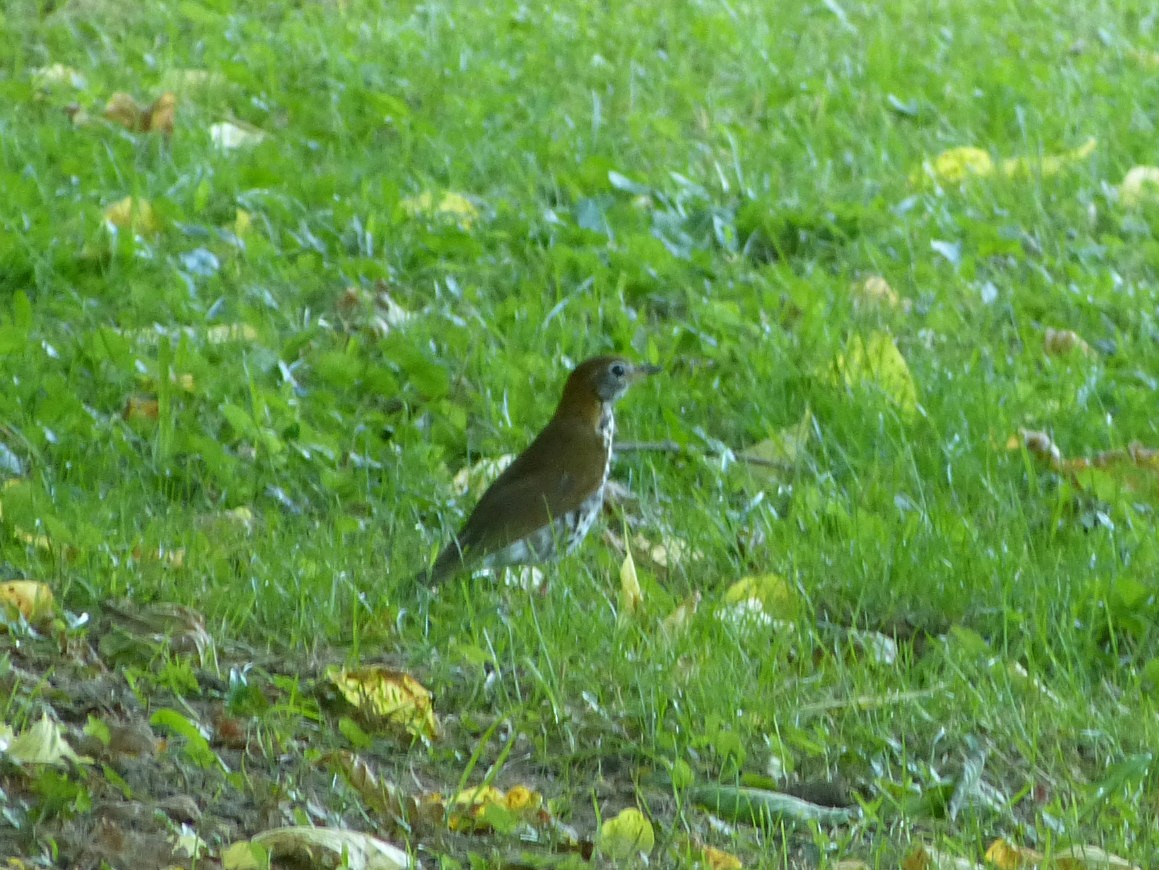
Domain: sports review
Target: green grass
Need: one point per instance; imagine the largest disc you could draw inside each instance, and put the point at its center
(697, 185)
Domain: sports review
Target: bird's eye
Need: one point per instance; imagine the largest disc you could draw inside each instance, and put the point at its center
(618, 370)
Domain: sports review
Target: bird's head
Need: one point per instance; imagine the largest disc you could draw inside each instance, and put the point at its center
(599, 381)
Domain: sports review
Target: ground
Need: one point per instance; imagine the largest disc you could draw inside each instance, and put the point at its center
(281, 282)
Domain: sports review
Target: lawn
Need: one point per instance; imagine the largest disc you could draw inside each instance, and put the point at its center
(891, 504)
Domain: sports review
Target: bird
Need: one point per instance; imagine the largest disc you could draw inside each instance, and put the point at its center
(546, 500)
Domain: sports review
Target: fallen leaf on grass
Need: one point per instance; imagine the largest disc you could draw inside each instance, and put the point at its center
(449, 206)
(708, 856)
(783, 449)
(626, 836)
(157, 117)
(1110, 474)
(134, 214)
(928, 858)
(1139, 185)
(1037, 444)
(141, 408)
(877, 362)
(1006, 856)
(1089, 858)
(663, 555)
(769, 594)
(242, 222)
(229, 136)
(226, 333)
(677, 622)
(631, 595)
(170, 557)
(954, 165)
(875, 293)
(56, 75)
(668, 553)
(474, 478)
(1060, 342)
(484, 809)
(318, 847)
(960, 164)
(389, 696)
(32, 599)
(1049, 164)
(43, 743)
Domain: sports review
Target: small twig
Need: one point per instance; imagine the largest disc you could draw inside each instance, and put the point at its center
(673, 447)
(649, 447)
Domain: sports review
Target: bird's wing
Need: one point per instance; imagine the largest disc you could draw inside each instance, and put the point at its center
(561, 468)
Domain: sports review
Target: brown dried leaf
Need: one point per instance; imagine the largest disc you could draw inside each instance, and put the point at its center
(124, 110)
(1060, 342)
(1038, 444)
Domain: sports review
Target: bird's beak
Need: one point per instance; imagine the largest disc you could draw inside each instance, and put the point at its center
(643, 371)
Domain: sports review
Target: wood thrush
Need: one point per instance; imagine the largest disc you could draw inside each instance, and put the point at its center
(545, 501)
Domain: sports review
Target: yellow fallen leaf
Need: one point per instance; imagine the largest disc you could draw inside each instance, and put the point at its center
(450, 205)
(389, 695)
(132, 213)
(955, 165)
(225, 333)
(40, 542)
(928, 858)
(784, 448)
(473, 809)
(626, 836)
(1006, 856)
(139, 408)
(631, 595)
(709, 857)
(1139, 185)
(1049, 164)
(521, 798)
(875, 292)
(43, 743)
(33, 599)
(770, 593)
(242, 222)
(879, 363)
